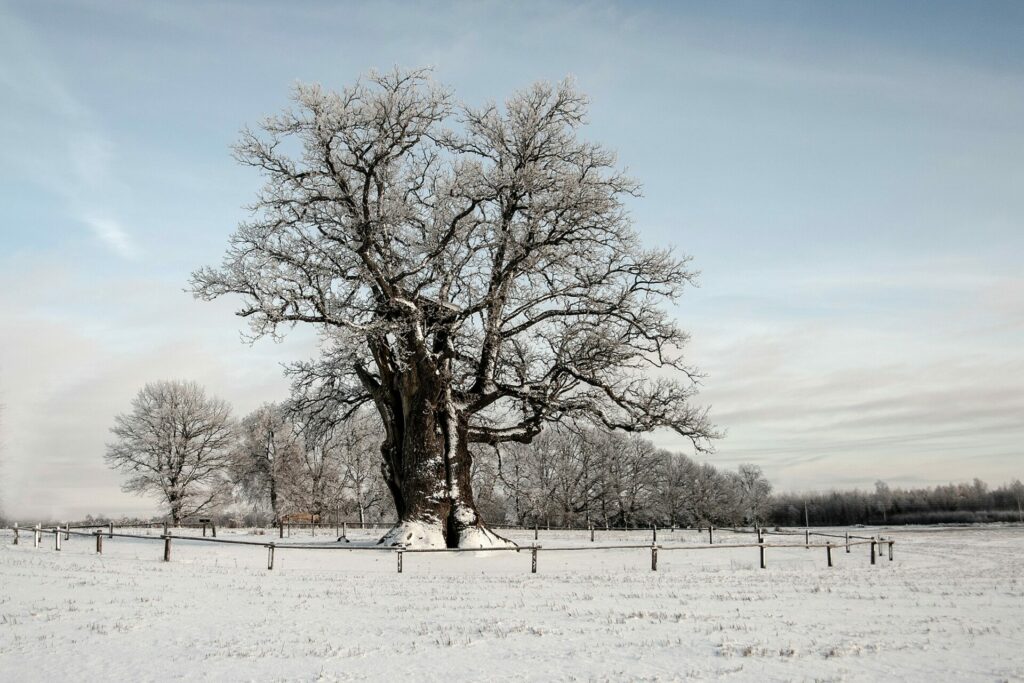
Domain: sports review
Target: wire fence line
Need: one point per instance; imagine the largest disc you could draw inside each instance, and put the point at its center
(849, 541)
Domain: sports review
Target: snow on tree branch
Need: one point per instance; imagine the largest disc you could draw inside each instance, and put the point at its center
(478, 260)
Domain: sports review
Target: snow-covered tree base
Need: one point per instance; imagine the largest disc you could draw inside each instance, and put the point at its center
(419, 534)
(414, 535)
(482, 537)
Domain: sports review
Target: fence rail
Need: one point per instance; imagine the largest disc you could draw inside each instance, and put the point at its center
(99, 533)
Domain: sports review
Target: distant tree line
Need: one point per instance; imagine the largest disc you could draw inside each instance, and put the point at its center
(962, 503)
(295, 461)
(570, 476)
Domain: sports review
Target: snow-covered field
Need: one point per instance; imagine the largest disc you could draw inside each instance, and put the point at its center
(950, 607)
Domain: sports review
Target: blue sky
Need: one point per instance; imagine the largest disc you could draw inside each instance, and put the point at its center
(849, 179)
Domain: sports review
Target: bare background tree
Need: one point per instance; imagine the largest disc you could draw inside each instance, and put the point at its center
(362, 488)
(755, 493)
(708, 496)
(264, 463)
(314, 486)
(474, 275)
(175, 444)
(573, 476)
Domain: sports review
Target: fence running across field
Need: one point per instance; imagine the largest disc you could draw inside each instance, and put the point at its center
(848, 541)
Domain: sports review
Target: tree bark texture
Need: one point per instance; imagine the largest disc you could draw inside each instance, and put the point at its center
(427, 463)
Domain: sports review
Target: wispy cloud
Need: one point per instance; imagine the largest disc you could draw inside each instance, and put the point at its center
(113, 235)
(56, 139)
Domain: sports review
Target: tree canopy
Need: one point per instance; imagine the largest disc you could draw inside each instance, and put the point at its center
(474, 263)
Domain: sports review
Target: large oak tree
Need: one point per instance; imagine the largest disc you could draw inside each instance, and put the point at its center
(473, 272)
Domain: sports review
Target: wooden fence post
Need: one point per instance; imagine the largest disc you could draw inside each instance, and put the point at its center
(847, 541)
(167, 548)
(654, 533)
(890, 551)
(204, 530)
(99, 543)
(165, 528)
(654, 557)
(828, 552)
(760, 546)
(807, 539)
(711, 535)
(67, 531)
(37, 537)
(56, 538)
(399, 559)
(213, 529)
(280, 528)
(533, 559)
(535, 531)
(591, 533)
(313, 529)
(872, 550)
(15, 533)
(110, 530)
(289, 528)
(270, 556)
(344, 530)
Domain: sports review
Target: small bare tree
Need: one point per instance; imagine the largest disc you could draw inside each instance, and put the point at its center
(755, 493)
(710, 496)
(673, 472)
(362, 487)
(175, 444)
(489, 490)
(474, 274)
(1016, 489)
(628, 478)
(314, 484)
(265, 459)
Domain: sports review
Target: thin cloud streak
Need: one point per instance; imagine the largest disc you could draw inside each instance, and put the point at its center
(113, 235)
(65, 151)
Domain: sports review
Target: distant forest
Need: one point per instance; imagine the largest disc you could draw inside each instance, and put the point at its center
(963, 503)
(566, 477)
(697, 495)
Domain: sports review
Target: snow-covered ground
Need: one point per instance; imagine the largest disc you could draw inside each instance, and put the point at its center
(950, 607)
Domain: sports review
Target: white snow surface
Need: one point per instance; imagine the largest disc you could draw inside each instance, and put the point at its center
(418, 534)
(949, 608)
(477, 537)
(424, 535)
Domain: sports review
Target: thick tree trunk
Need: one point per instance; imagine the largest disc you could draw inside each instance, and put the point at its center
(427, 468)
